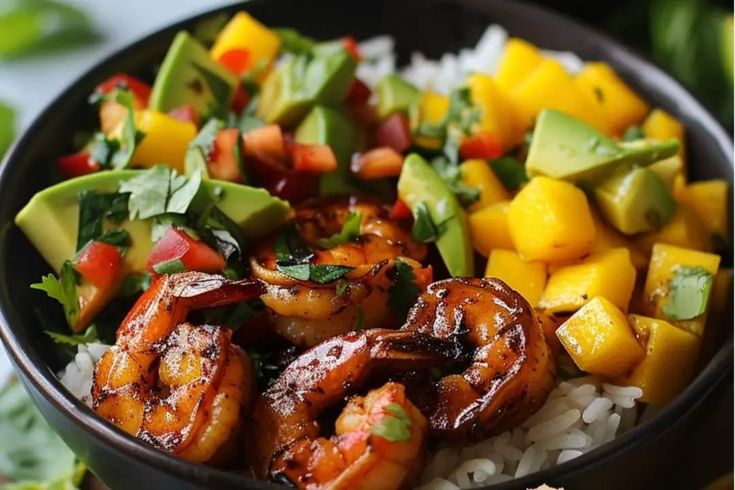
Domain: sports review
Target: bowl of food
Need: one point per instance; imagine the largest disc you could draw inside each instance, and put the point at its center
(271, 246)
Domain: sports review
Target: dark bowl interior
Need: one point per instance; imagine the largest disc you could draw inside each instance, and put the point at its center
(432, 27)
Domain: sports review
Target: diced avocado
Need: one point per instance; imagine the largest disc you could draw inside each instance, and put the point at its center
(566, 148)
(327, 126)
(667, 170)
(291, 90)
(189, 76)
(419, 183)
(50, 219)
(635, 201)
(395, 95)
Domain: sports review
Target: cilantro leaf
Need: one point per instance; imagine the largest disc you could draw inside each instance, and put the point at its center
(94, 207)
(7, 127)
(293, 256)
(633, 132)
(296, 271)
(452, 177)
(130, 135)
(323, 274)
(219, 88)
(63, 290)
(424, 230)
(172, 266)
(290, 247)
(102, 149)
(393, 427)
(461, 117)
(89, 335)
(689, 292)
(510, 172)
(201, 147)
(403, 293)
(349, 232)
(119, 237)
(160, 190)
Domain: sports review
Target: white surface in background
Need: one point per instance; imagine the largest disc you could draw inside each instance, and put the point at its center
(29, 85)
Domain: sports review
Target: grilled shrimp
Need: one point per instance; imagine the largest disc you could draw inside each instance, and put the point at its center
(287, 442)
(174, 385)
(305, 312)
(511, 371)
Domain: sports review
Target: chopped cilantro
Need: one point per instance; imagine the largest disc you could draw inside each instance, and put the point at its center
(172, 266)
(118, 237)
(89, 335)
(403, 293)
(324, 274)
(293, 256)
(349, 232)
(102, 149)
(201, 147)
(130, 135)
(633, 132)
(219, 88)
(160, 190)
(510, 172)
(395, 426)
(63, 290)
(341, 287)
(94, 207)
(424, 230)
(689, 291)
(452, 177)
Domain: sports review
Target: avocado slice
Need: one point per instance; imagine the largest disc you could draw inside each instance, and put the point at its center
(189, 76)
(635, 200)
(419, 183)
(51, 217)
(566, 148)
(395, 95)
(290, 91)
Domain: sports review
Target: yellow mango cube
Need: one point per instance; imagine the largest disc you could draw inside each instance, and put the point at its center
(684, 229)
(608, 274)
(665, 260)
(550, 86)
(165, 142)
(599, 339)
(478, 174)
(433, 108)
(489, 228)
(668, 365)
(245, 33)
(528, 278)
(518, 60)
(619, 105)
(608, 238)
(708, 199)
(660, 125)
(550, 220)
(498, 113)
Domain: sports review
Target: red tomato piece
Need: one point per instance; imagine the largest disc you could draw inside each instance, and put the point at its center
(236, 60)
(400, 211)
(141, 91)
(394, 132)
(485, 146)
(351, 46)
(77, 164)
(240, 99)
(378, 163)
(357, 93)
(194, 254)
(282, 181)
(99, 263)
(185, 113)
(223, 163)
(318, 159)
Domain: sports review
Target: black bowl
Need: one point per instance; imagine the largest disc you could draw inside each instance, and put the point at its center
(430, 26)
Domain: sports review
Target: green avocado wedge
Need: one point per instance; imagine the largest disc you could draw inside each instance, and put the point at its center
(50, 219)
(419, 183)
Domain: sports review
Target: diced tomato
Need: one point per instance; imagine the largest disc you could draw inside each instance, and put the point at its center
(196, 255)
(486, 146)
(378, 163)
(394, 132)
(351, 46)
(318, 159)
(223, 162)
(77, 164)
(400, 211)
(266, 144)
(424, 276)
(185, 113)
(236, 60)
(282, 181)
(99, 263)
(357, 93)
(141, 91)
(240, 99)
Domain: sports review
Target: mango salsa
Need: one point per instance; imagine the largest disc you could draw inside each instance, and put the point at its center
(608, 274)
(606, 238)
(243, 32)
(684, 229)
(528, 278)
(619, 105)
(433, 109)
(665, 261)
(708, 198)
(518, 60)
(478, 174)
(599, 339)
(166, 140)
(551, 221)
(668, 364)
(660, 125)
(489, 228)
(498, 113)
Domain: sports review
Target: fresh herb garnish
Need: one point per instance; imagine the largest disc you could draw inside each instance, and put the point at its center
(89, 335)
(403, 293)
(7, 127)
(350, 231)
(452, 177)
(689, 291)
(160, 190)
(393, 427)
(102, 149)
(130, 135)
(172, 266)
(201, 147)
(323, 274)
(63, 290)
(292, 41)
(264, 369)
(118, 237)
(293, 258)
(341, 288)
(633, 132)
(163, 222)
(510, 172)
(94, 208)
(461, 117)
(424, 230)
(219, 88)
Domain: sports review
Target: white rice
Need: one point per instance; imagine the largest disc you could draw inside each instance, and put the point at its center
(579, 415)
(77, 376)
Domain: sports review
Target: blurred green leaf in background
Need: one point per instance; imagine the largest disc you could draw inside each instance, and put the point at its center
(7, 127)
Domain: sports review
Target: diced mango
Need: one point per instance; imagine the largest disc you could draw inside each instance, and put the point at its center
(498, 113)
(607, 238)
(619, 105)
(165, 142)
(550, 86)
(478, 174)
(599, 339)
(684, 229)
(433, 108)
(660, 125)
(518, 60)
(245, 33)
(609, 275)
(528, 278)
(550, 220)
(489, 228)
(708, 198)
(668, 365)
